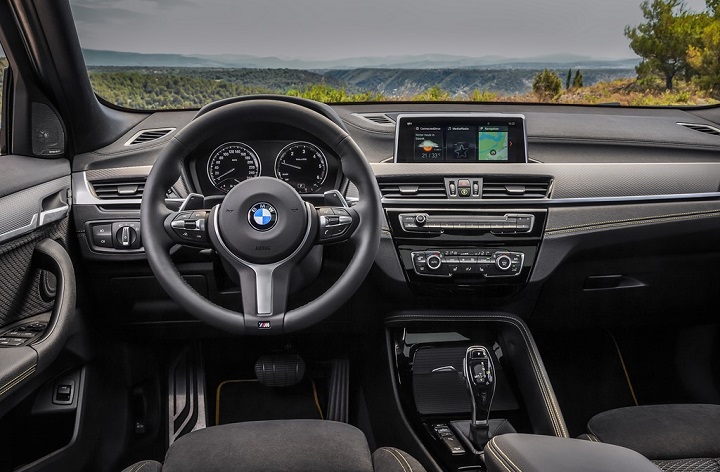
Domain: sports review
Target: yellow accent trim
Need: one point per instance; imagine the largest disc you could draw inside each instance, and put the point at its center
(317, 401)
(16, 381)
(624, 368)
(217, 396)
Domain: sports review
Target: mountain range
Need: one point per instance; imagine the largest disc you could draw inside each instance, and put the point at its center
(94, 57)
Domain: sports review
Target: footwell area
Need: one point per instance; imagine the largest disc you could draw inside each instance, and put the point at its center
(249, 400)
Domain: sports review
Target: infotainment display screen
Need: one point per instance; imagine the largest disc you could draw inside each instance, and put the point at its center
(460, 138)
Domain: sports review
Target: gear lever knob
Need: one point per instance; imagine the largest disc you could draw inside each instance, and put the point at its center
(480, 379)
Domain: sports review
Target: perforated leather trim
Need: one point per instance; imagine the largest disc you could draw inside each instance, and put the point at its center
(689, 465)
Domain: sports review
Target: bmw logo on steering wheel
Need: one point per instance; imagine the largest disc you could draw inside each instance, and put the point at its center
(262, 216)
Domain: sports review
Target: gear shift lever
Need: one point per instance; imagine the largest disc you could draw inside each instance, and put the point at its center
(480, 379)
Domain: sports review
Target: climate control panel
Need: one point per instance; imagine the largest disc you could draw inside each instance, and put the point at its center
(478, 262)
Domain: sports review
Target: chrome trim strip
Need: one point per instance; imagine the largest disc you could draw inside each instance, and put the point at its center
(50, 216)
(150, 130)
(83, 195)
(21, 230)
(410, 202)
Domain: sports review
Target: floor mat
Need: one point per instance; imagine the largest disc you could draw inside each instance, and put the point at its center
(249, 400)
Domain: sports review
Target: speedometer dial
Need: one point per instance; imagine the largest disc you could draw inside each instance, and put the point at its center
(230, 164)
(303, 166)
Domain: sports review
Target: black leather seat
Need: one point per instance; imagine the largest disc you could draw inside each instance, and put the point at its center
(279, 446)
(677, 438)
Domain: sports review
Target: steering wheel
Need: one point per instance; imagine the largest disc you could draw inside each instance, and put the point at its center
(262, 228)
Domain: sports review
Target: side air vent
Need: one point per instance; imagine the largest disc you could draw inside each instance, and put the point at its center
(431, 190)
(707, 129)
(377, 118)
(147, 135)
(118, 189)
(520, 189)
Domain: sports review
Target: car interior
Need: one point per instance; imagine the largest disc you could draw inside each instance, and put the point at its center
(271, 283)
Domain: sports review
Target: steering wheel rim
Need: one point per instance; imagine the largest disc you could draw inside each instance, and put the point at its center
(167, 169)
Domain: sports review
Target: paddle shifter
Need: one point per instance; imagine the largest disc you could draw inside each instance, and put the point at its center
(480, 378)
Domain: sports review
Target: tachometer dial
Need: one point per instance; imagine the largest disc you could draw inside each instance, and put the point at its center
(303, 166)
(230, 164)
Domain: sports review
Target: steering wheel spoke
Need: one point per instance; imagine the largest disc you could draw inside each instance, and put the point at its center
(336, 224)
(265, 289)
(188, 227)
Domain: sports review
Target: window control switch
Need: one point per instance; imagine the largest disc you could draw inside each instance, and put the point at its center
(64, 392)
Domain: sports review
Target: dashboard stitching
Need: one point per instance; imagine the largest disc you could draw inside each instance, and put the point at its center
(543, 382)
(634, 222)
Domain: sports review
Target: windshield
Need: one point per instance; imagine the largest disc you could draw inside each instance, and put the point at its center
(168, 54)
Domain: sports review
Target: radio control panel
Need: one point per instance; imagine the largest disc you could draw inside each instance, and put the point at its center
(467, 262)
(509, 223)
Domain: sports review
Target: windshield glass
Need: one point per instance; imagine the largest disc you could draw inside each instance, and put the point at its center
(166, 54)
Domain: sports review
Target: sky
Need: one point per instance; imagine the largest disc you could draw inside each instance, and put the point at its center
(334, 29)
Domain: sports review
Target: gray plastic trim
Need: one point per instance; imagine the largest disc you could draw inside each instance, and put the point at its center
(23, 211)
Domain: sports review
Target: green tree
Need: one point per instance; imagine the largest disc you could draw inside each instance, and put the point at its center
(547, 85)
(568, 80)
(578, 80)
(663, 40)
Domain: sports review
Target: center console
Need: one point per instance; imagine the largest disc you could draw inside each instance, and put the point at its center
(460, 233)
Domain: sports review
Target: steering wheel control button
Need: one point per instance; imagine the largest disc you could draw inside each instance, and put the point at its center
(191, 226)
(473, 263)
(334, 223)
(262, 216)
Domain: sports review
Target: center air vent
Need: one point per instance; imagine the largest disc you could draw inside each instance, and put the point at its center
(516, 188)
(431, 190)
(707, 129)
(377, 118)
(118, 189)
(147, 135)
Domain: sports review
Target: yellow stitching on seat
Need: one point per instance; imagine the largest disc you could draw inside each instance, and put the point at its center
(505, 456)
(393, 454)
(403, 458)
(498, 459)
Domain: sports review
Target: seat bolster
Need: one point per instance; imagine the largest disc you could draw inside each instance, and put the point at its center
(661, 432)
(144, 466)
(390, 459)
(271, 446)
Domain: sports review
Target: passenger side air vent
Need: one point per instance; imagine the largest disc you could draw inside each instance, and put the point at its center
(431, 190)
(707, 129)
(147, 135)
(377, 118)
(516, 188)
(118, 189)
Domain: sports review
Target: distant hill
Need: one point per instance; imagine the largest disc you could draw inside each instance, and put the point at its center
(507, 81)
(95, 57)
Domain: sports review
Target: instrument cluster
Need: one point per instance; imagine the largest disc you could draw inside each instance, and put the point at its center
(308, 167)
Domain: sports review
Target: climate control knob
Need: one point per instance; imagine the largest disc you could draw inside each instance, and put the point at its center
(503, 262)
(433, 262)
